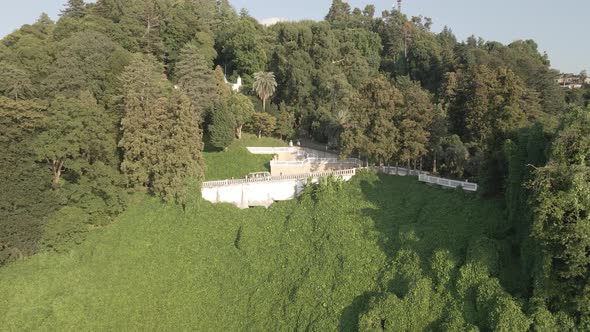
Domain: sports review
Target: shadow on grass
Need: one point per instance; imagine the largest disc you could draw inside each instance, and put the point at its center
(413, 221)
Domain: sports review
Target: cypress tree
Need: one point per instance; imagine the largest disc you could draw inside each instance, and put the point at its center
(222, 126)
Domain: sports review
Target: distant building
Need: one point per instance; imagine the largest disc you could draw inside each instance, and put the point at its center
(234, 86)
(573, 81)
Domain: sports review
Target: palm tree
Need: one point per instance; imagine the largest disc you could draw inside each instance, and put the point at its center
(264, 85)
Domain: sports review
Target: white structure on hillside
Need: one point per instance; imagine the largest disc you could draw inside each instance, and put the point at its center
(234, 86)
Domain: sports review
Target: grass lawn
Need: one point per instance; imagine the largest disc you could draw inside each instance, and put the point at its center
(309, 264)
(237, 162)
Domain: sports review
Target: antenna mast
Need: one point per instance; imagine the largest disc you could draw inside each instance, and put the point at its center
(399, 5)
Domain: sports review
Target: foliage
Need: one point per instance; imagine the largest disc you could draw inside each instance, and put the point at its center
(222, 129)
(161, 138)
(285, 122)
(117, 93)
(14, 82)
(263, 124)
(373, 131)
(242, 109)
(560, 217)
(195, 78)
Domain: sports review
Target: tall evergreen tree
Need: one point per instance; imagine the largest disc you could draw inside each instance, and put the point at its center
(179, 150)
(222, 127)
(145, 89)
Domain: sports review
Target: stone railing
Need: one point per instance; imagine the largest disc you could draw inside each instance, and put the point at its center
(222, 183)
(392, 170)
(467, 186)
(314, 160)
(273, 150)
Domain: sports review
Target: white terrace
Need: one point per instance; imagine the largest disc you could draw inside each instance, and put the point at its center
(291, 168)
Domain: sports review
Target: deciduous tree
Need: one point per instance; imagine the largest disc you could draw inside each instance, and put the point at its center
(263, 124)
(242, 109)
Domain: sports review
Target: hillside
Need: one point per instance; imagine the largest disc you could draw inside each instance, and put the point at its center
(315, 263)
(112, 115)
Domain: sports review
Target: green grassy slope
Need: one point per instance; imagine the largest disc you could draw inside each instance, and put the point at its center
(314, 263)
(237, 162)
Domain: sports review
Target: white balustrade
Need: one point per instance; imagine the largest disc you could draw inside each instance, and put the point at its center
(467, 186)
(222, 183)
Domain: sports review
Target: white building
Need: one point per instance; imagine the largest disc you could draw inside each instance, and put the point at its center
(234, 86)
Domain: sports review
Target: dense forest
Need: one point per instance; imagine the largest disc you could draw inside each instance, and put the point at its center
(122, 97)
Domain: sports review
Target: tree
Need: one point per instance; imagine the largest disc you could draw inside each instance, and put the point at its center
(14, 82)
(454, 156)
(562, 196)
(339, 13)
(243, 46)
(222, 129)
(87, 60)
(263, 124)
(264, 86)
(145, 89)
(418, 112)
(195, 78)
(180, 145)
(242, 109)
(151, 19)
(285, 122)
(222, 89)
(438, 131)
(372, 131)
(74, 9)
(162, 138)
(75, 136)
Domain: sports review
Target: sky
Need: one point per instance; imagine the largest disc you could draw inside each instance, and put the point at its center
(559, 27)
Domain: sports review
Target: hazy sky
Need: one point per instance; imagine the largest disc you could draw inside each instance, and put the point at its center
(559, 27)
